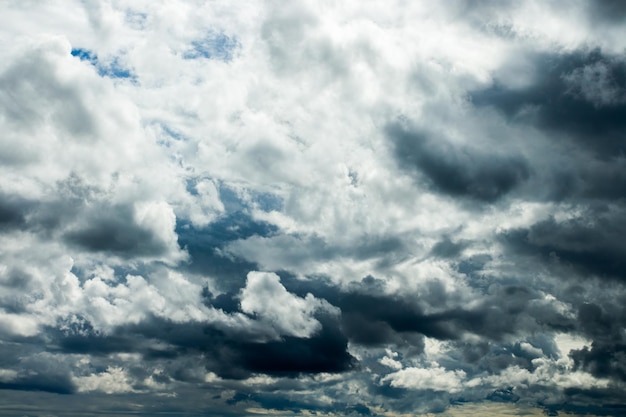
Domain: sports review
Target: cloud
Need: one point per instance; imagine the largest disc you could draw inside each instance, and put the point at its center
(265, 297)
(607, 11)
(111, 381)
(210, 208)
(213, 46)
(436, 379)
(579, 94)
(145, 229)
(112, 70)
(590, 244)
(457, 170)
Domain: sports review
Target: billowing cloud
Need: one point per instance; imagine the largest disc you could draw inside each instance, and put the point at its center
(265, 297)
(209, 208)
(458, 170)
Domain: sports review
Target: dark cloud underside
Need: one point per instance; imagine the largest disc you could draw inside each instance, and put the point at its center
(457, 170)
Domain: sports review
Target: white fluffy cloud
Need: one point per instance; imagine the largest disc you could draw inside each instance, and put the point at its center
(112, 381)
(436, 379)
(287, 313)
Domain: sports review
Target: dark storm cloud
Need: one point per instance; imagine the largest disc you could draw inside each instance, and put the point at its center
(34, 370)
(580, 94)
(323, 352)
(583, 179)
(55, 383)
(594, 401)
(226, 352)
(512, 309)
(13, 211)
(368, 319)
(114, 230)
(603, 360)
(591, 244)
(371, 318)
(604, 325)
(104, 227)
(39, 216)
(457, 170)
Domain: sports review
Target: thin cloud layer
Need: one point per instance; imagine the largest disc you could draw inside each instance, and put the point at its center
(379, 209)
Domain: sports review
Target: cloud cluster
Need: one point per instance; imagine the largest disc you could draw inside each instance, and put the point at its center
(334, 209)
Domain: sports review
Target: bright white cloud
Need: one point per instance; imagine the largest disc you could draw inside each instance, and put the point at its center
(112, 381)
(435, 378)
(287, 313)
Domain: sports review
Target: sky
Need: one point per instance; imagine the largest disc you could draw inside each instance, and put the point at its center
(312, 208)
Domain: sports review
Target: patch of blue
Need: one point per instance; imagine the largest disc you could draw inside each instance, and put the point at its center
(85, 55)
(112, 70)
(268, 202)
(262, 201)
(115, 70)
(190, 186)
(204, 247)
(215, 45)
(234, 226)
(119, 272)
(169, 137)
(230, 199)
(171, 132)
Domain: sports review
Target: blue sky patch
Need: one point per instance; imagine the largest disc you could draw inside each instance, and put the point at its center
(215, 45)
(112, 69)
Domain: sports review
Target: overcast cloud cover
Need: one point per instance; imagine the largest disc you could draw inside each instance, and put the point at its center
(322, 208)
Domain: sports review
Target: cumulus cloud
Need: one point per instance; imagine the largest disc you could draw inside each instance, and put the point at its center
(113, 380)
(335, 209)
(436, 379)
(265, 297)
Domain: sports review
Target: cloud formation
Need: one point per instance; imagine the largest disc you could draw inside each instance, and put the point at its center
(210, 208)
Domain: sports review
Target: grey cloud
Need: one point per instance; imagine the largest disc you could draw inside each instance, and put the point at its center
(84, 274)
(581, 94)
(602, 360)
(228, 353)
(582, 179)
(598, 401)
(13, 212)
(375, 319)
(606, 358)
(457, 170)
(114, 230)
(607, 11)
(295, 251)
(58, 384)
(83, 218)
(35, 370)
(446, 248)
(590, 243)
(33, 93)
